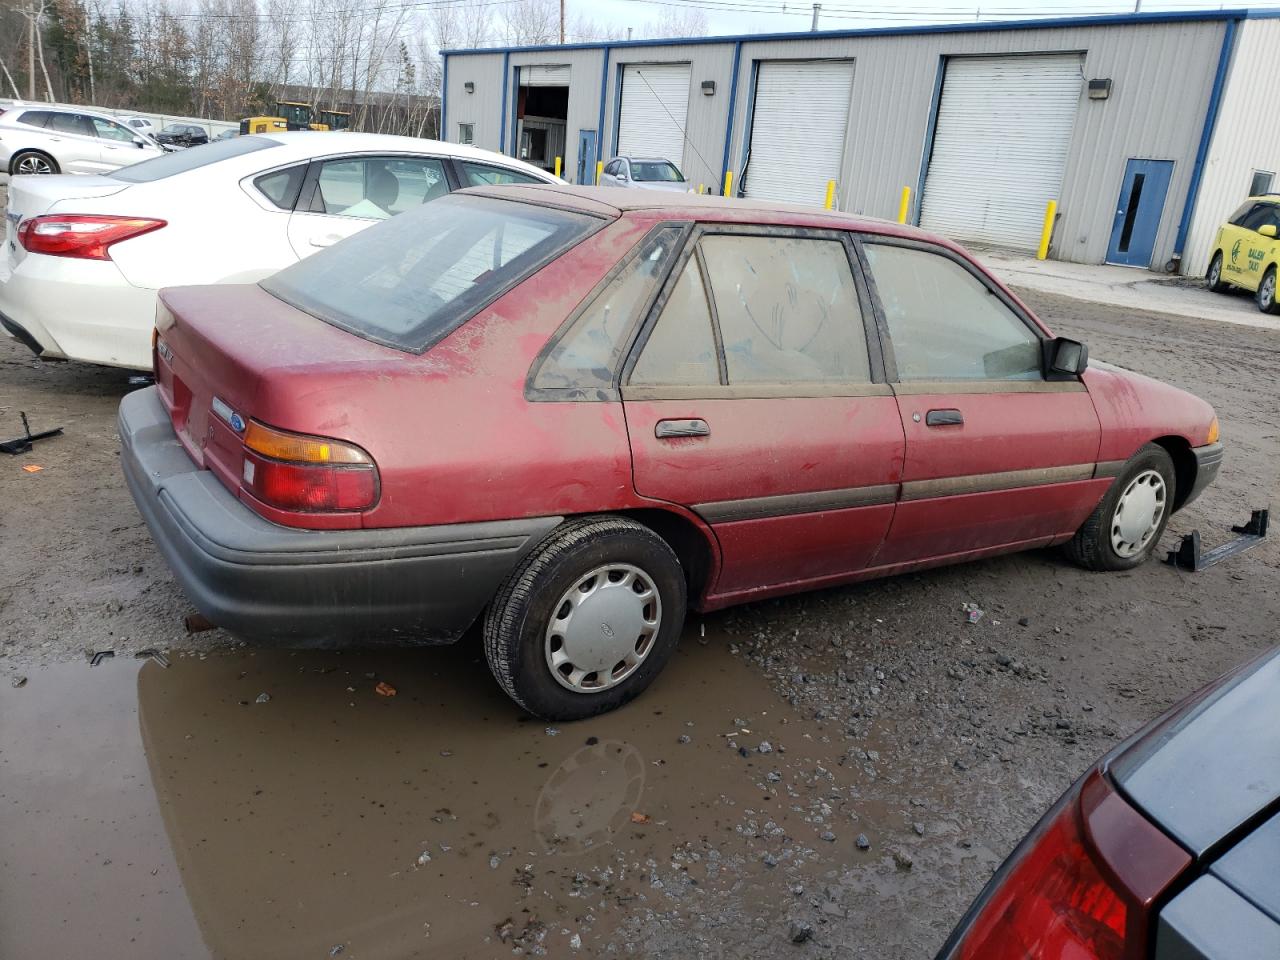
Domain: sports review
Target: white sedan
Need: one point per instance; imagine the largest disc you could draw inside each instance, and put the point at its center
(85, 255)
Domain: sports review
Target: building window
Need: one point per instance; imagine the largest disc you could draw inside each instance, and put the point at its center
(1261, 183)
(466, 133)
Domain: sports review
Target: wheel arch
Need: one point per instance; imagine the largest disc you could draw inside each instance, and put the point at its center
(1184, 466)
(13, 161)
(693, 543)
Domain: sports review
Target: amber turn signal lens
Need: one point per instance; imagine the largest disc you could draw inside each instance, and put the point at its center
(299, 448)
(1214, 431)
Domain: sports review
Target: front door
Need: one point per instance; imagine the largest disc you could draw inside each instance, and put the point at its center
(1245, 248)
(996, 455)
(1137, 220)
(586, 156)
(756, 403)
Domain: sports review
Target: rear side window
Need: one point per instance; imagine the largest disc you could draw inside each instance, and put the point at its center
(281, 187)
(681, 350)
(70, 123)
(35, 118)
(170, 164)
(409, 281)
(945, 323)
(588, 355)
(483, 175)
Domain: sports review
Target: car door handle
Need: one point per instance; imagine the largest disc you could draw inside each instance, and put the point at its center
(944, 418)
(672, 429)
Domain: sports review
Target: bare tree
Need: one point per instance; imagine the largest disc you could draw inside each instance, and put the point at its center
(531, 22)
(685, 23)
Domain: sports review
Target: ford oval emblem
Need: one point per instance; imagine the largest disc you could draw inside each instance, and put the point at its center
(237, 423)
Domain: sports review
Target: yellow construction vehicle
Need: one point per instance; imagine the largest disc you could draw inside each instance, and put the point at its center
(290, 115)
(336, 119)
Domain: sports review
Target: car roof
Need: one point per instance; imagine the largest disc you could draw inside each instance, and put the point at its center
(308, 143)
(646, 159)
(54, 108)
(613, 202)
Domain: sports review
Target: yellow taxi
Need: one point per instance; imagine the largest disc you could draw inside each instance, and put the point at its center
(1246, 251)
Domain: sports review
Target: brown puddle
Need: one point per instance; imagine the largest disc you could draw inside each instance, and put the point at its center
(163, 812)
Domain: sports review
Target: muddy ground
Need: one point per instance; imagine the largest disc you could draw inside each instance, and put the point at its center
(153, 811)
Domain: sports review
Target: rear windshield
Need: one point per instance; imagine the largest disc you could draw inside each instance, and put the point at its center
(184, 160)
(409, 281)
(658, 171)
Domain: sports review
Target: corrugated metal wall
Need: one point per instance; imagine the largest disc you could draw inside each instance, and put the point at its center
(1162, 75)
(483, 107)
(584, 98)
(1246, 137)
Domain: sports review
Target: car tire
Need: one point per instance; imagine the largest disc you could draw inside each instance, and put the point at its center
(1213, 278)
(32, 162)
(1119, 535)
(618, 578)
(1266, 295)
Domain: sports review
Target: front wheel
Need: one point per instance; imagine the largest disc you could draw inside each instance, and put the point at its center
(587, 621)
(1125, 528)
(29, 162)
(1267, 293)
(1213, 279)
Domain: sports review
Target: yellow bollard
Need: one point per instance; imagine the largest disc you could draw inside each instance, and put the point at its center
(831, 194)
(728, 183)
(701, 187)
(1050, 213)
(599, 171)
(557, 166)
(904, 205)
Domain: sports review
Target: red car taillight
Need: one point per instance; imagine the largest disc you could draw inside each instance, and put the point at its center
(291, 471)
(83, 236)
(1081, 888)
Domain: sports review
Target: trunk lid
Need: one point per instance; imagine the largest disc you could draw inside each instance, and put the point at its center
(229, 353)
(33, 196)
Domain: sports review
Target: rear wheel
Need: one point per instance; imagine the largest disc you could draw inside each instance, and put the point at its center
(29, 162)
(1125, 528)
(1267, 293)
(587, 621)
(1213, 279)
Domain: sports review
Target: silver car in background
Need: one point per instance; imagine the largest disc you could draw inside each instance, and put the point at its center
(644, 173)
(47, 139)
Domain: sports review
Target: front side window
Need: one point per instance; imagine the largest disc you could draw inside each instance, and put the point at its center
(375, 188)
(1238, 218)
(655, 171)
(681, 349)
(483, 175)
(788, 310)
(410, 281)
(108, 130)
(945, 323)
(466, 133)
(588, 355)
(1259, 216)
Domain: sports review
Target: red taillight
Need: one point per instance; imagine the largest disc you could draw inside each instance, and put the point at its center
(296, 472)
(84, 236)
(1083, 889)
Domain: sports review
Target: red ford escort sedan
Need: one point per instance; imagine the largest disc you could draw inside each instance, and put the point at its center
(575, 412)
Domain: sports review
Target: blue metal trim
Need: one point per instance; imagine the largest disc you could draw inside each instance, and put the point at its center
(1119, 19)
(604, 92)
(444, 97)
(617, 110)
(506, 74)
(1206, 135)
(747, 119)
(927, 153)
(733, 98)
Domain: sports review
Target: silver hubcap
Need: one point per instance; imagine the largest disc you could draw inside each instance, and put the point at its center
(1138, 514)
(603, 628)
(1215, 271)
(34, 165)
(1268, 291)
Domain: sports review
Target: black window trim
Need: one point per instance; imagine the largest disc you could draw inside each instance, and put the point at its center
(461, 173)
(611, 393)
(862, 238)
(783, 389)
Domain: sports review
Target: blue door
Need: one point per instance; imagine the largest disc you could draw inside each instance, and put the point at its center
(1133, 235)
(586, 156)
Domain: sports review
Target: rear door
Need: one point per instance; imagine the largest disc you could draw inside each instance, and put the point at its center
(756, 398)
(1254, 251)
(343, 195)
(996, 454)
(74, 144)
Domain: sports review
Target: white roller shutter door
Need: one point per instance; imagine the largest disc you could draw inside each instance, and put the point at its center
(545, 76)
(1000, 147)
(799, 120)
(655, 105)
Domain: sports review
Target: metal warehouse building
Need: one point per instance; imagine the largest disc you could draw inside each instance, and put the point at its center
(1147, 129)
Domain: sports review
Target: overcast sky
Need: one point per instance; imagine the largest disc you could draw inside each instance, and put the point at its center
(765, 16)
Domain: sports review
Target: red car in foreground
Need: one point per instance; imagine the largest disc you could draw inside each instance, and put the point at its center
(575, 411)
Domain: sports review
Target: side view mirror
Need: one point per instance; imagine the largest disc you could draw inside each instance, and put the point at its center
(1065, 358)
(1268, 230)
(139, 142)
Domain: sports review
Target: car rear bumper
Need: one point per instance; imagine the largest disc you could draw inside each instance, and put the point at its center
(425, 584)
(1208, 461)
